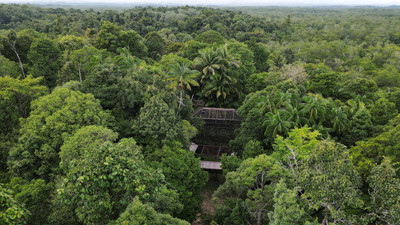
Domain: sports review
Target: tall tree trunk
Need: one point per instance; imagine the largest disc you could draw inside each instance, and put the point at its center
(19, 59)
(180, 99)
(80, 74)
(259, 217)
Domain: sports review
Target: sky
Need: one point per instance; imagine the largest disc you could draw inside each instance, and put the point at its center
(223, 2)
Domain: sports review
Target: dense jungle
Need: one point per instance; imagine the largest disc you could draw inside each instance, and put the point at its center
(97, 115)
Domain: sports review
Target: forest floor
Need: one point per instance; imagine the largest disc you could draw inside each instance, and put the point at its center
(207, 206)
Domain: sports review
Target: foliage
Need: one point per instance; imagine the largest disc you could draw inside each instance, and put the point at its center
(183, 173)
(83, 140)
(304, 81)
(112, 37)
(155, 45)
(46, 61)
(325, 84)
(16, 96)
(330, 182)
(384, 191)
(211, 36)
(253, 149)
(102, 181)
(138, 213)
(297, 146)
(11, 212)
(287, 209)
(254, 181)
(35, 196)
(230, 163)
(53, 118)
(382, 111)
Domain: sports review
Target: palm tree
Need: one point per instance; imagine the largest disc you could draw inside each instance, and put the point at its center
(227, 59)
(181, 77)
(209, 62)
(220, 87)
(277, 123)
(339, 120)
(212, 61)
(218, 80)
(293, 108)
(282, 98)
(266, 103)
(127, 61)
(314, 108)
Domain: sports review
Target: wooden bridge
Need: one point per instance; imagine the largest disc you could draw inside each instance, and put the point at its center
(217, 114)
(211, 151)
(210, 165)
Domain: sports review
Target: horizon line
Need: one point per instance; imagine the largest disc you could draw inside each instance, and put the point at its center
(172, 4)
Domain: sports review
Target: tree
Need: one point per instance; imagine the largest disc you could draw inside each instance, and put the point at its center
(46, 61)
(155, 44)
(35, 196)
(138, 213)
(157, 122)
(241, 60)
(183, 173)
(101, 183)
(11, 44)
(382, 111)
(254, 182)
(83, 140)
(211, 36)
(11, 212)
(230, 163)
(168, 61)
(256, 82)
(103, 83)
(16, 96)
(219, 82)
(287, 209)
(191, 49)
(112, 37)
(338, 118)
(358, 86)
(69, 43)
(330, 183)
(277, 122)
(108, 36)
(53, 118)
(78, 63)
(19, 93)
(208, 61)
(253, 149)
(134, 42)
(315, 106)
(261, 56)
(294, 72)
(360, 127)
(16, 46)
(8, 68)
(221, 89)
(325, 84)
(181, 77)
(385, 193)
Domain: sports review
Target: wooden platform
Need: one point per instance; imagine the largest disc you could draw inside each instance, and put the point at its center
(217, 114)
(210, 165)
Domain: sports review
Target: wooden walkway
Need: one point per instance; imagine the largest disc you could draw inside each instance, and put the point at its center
(211, 151)
(210, 165)
(217, 114)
